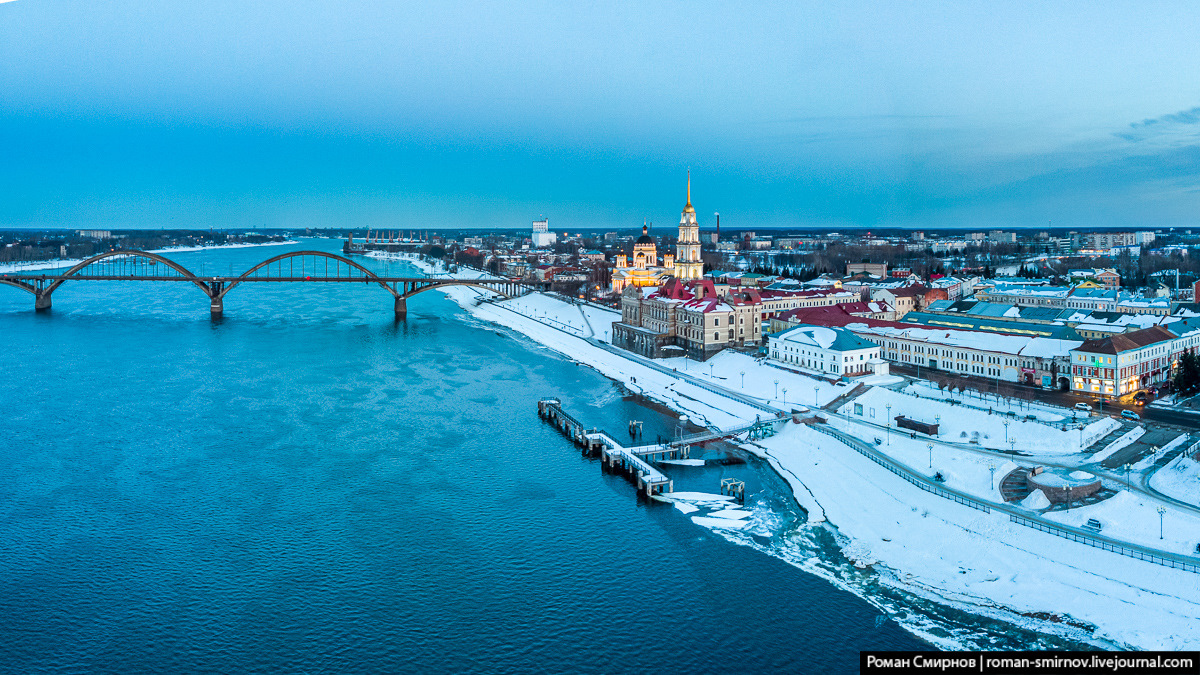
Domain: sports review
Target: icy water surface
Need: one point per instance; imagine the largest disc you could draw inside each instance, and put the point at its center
(307, 486)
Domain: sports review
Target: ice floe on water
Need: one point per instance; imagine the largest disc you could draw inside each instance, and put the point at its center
(682, 462)
(732, 514)
(710, 522)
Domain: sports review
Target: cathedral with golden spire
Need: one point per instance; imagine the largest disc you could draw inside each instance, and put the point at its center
(645, 269)
(687, 248)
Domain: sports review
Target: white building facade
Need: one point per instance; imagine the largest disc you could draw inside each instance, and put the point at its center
(830, 351)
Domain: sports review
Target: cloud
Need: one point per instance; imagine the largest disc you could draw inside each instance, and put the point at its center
(1174, 123)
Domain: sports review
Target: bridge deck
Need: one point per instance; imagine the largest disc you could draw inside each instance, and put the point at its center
(229, 279)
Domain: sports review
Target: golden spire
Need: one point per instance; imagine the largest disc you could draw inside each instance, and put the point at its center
(688, 208)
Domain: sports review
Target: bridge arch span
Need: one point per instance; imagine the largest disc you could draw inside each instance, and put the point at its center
(185, 272)
(435, 283)
(368, 275)
(18, 284)
(502, 287)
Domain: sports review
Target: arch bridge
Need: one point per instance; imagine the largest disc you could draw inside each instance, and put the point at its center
(296, 266)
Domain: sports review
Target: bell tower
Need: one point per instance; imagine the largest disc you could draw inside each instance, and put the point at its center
(687, 250)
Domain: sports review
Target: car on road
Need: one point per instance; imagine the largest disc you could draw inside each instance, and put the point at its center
(1130, 415)
(1083, 406)
(1140, 398)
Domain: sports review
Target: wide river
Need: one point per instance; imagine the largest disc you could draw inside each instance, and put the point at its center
(307, 485)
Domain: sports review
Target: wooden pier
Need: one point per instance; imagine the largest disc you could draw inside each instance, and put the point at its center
(636, 462)
(614, 456)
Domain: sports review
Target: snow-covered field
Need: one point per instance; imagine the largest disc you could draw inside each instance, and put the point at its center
(19, 267)
(1134, 518)
(967, 425)
(794, 390)
(981, 562)
(1179, 479)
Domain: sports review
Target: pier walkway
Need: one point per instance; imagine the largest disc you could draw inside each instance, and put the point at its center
(636, 462)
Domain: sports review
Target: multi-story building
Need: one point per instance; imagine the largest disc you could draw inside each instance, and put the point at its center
(828, 351)
(1010, 358)
(903, 300)
(542, 235)
(1128, 304)
(874, 269)
(700, 317)
(1122, 364)
(1108, 278)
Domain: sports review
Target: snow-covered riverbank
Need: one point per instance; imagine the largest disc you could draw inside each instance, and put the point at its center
(919, 543)
(21, 267)
(982, 562)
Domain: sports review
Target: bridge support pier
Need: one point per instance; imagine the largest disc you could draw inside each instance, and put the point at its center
(401, 308)
(42, 302)
(217, 307)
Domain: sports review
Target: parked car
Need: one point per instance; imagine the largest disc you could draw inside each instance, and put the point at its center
(1083, 406)
(1093, 525)
(1130, 415)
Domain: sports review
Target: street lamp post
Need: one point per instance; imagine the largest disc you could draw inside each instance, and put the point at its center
(931, 455)
(937, 419)
(817, 395)
(1161, 511)
(1012, 446)
(785, 394)
(1006, 423)
(710, 374)
(776, 388)
(743, 374)
(889, 423)
(992, 469)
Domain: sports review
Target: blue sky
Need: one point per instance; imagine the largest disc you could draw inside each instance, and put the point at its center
(129, 113)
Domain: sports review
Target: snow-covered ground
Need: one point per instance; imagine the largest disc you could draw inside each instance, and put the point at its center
(20, 267)
(967, 425)
(981, 562)
(961, 470)
(1134, 518)
(579, 319)
(794, 389)
(1181, 480)
(982, 401)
